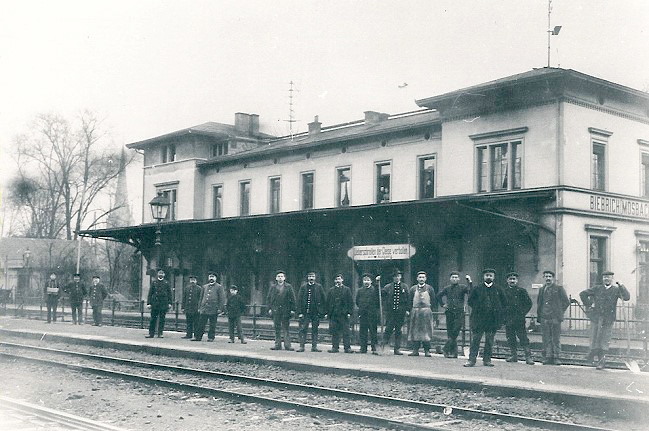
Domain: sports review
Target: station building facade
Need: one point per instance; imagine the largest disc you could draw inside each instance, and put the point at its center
(547, 169)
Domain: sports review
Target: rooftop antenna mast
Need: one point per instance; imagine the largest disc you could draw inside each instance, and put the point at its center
(551, 31)
(291, 112)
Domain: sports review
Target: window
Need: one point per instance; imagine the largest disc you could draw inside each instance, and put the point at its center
(427, 177)
(217, 201)
(599, 166)
(597, 252)
(343, 181)
(168, 153)
(642, 272)
(172, 197)
(244, 198)
(644, 175)
(499, 166)
(307, 190)
(219, 149)
(274, 195)
(383, 174)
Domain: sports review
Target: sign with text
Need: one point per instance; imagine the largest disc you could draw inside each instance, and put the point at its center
(619, 206)
(381, 252)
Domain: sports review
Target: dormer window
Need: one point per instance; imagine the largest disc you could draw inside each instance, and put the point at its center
(219, 149)
(168, 153)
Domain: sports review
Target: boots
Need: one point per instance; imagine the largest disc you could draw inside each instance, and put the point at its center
(514, 355)
(528, 357)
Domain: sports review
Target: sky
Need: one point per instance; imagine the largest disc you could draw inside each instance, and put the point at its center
(152, 67)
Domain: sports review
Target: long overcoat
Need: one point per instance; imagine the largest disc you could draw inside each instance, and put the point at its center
(487, 308)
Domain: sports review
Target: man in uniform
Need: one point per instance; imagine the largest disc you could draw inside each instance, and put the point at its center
(454, 307)
(396, 304)
(487, 305)
(52, 293)
(601, 302)
(281, 303)
(340, 305)
(191, 298)
(311, 305)
(76, 290)
(96, 295)
(422, 302)
(367, 300)
(517, 304)
(551, 306)
(211, 303)
(159, 301)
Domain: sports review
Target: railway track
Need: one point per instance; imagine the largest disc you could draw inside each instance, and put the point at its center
(346, 405)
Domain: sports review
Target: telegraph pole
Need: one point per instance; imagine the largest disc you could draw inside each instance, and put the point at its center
(291, 112)
(551, 31)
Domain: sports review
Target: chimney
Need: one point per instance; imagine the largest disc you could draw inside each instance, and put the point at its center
(242, 122)
(314, 127)
(373, 117)
(254, 124)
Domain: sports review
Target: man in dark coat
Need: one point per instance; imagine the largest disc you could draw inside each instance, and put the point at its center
(517, 304)
(367, 300)
(52, 293)
(236, 307)
(340, 305)
(97, 292)
(311, 306)
(454, 307)
(281, 303)
(191, 298)
(487, 305)
(601, 302)
(211, 303)
(551, 305)
(396, 308)
(159, 300)
(76, 290)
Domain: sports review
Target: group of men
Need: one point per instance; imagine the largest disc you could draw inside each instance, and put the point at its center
(76, 291)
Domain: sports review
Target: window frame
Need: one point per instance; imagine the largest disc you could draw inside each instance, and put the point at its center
(644, 174)
(242, 183)
(420, 179)
(485, 170)
(338, 196)
(218, 149)
(271, 208)
(377, 166)
(598, 181)
(603, 233)
(172, 196)
(303, 176)
(214, 201)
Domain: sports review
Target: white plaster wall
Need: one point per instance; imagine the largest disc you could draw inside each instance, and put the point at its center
(182, 171)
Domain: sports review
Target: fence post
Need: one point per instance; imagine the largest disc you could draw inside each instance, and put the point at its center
(112, 312)
(254, 320)
(142, 314)
(177, 309)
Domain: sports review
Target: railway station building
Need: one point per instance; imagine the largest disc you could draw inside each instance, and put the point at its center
(547, 169)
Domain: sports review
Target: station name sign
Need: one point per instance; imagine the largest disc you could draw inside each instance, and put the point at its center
(381, 252)
(619, 206)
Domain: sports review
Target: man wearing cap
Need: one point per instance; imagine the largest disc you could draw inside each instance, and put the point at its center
(517, 304)
(487, 304)
(52, 293)
(396, 307)
(159, 300)
(551, 305)
(340, 305)
(367, 300)
(211, 302)
(454, 309)
(236, 307)
(281, 306)
(422, 300)
(601, 302)
(311, 306)
(97, 292)
(191, 298)
(76, 290)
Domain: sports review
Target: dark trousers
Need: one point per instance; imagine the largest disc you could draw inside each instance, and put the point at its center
(454, 320)
(314, 320)
(417, 344)
(77, 315)
(97, 314)
(281, 324)
(517, 332)
(211, 332)
(234, 322)
(394, 323)
(367, 326)
(157, 320)
(339, 325)
(551, 334)
(476, 337)
(52, 304)
(191, 320)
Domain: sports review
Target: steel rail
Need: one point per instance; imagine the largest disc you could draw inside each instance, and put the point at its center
(353, 395)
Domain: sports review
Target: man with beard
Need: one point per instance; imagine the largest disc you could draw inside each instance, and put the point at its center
(212, 301)
(367, 300)
(551, 305)
(191, 298)
(311, 305)
(159, 300)
(454, 306)
(340, 306)
(487, 304)
(281, 303)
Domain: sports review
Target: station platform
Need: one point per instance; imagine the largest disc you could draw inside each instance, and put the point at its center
(565, 379)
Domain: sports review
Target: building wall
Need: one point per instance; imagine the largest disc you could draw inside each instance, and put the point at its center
(184, 173)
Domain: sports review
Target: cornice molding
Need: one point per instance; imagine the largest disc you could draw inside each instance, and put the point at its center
(499, 133)
(600, 132)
